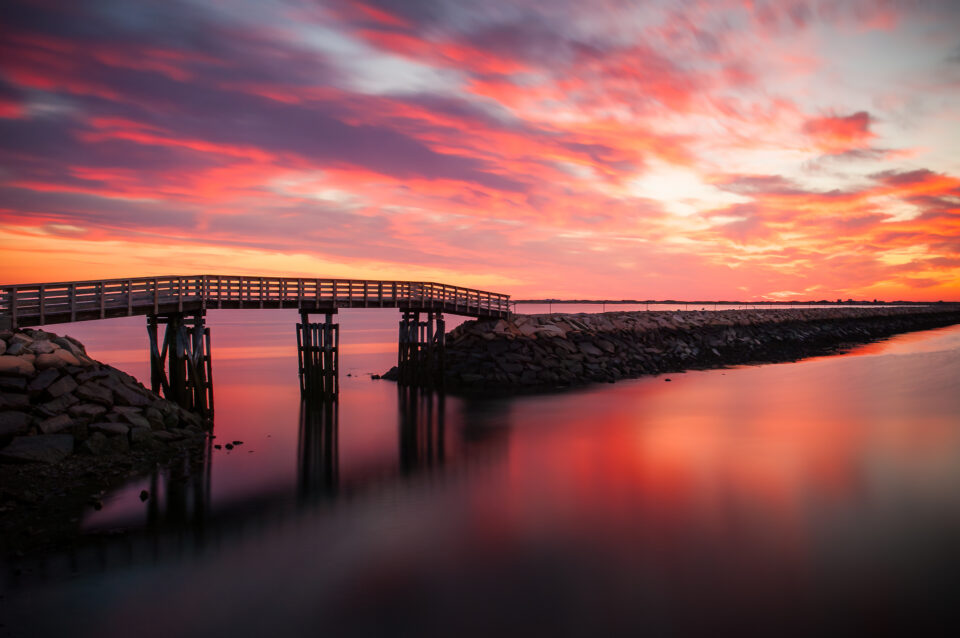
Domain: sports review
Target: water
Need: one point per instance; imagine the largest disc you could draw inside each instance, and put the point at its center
(813, 495)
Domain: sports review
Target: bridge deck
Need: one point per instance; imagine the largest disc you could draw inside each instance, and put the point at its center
(64, 302)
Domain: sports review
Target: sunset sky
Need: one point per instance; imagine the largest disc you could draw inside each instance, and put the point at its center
(708, 150)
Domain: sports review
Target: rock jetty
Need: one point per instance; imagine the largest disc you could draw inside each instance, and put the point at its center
(56, 401)
(556, 350)
(71, 428)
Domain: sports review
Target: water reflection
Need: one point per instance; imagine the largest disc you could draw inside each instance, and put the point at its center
(318, 453)
(421, 429)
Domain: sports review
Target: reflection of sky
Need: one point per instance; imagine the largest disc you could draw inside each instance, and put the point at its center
(769, 150)
(724, 495)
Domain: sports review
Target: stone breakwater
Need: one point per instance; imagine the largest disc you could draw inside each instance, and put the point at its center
(556, 350)
(55, 401)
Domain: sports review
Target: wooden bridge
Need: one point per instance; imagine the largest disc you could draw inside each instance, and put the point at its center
(64, 302)
(180, 364)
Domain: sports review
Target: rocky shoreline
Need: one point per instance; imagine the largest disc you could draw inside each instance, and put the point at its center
(70, 428)
(540, 352)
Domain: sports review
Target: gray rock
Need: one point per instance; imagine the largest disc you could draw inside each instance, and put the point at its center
(96, 445)
(43, 380)
(155, 417)
(142, 437)
(14, 401)
(61, 387)
(93, 392)
(126, 396)
(42, 347)
(58, 405)
(589, 349)
(13, 422)
(16, 349)
(135, 420)
(87, 410)
(44, 448)
(109, 428)
(55, 424)
(12, 383)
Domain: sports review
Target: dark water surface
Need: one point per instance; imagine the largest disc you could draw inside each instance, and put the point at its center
(823, 494)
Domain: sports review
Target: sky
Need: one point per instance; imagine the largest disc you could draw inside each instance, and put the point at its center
(573, 149)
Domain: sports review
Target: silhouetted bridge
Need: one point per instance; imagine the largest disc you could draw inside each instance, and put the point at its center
(180, 362)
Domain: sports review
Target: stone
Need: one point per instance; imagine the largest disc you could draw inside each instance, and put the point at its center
(95, 445)
(108, 428)
(589, 349)
(42, 347)
(67, 357)
(3, 346)
(13, 422)
(43, 380)
(55, 424)
(93, 392)
(17, 349)
(142, 437)
(61, 387)
(135, 420)
(126, 396)
(155, 417)
(70, 346)
(43, 448)
(20, 337)
(86, 410)
(14, 401)
(16, 365)
(12, 383)
(58, 405)
(167, 436)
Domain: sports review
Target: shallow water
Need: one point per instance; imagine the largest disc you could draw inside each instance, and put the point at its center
(820, 494)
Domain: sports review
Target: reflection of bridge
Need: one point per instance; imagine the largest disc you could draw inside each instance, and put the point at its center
(181, 521)
(180, 362)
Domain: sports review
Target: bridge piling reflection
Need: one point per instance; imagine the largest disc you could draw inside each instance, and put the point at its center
(318, 454)
(421, 429)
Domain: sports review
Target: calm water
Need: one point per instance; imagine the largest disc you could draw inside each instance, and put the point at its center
(820, 494)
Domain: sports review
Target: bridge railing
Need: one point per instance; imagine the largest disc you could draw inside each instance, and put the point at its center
(70, 301)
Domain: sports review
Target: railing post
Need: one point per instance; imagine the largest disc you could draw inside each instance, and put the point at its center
(129, 297)
(156, 296)
(13, 306)
(103, 306)
(42, 304)
(73, 302)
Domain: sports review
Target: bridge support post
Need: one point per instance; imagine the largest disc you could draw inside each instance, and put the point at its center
(421, 349)
(318, 353)
(180, 365)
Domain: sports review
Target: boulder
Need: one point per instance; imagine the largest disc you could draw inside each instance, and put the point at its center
(95, 445)
(43, 448)
(14, 401)
(10, 364)
(58, 405)
(13, 383)
(93, 392)
(61, 387)
(68, 358)
(55, 424)
(124, 395)
(43, 380)
(3, 346)
(43, 347)
(87, 410)
(13, 422)
(108, 428)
